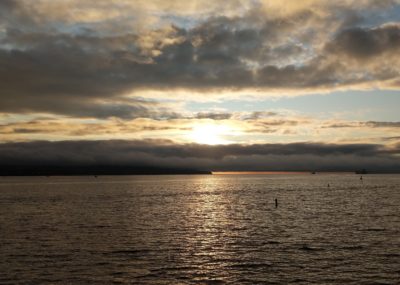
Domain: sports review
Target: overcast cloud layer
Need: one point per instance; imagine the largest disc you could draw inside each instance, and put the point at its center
(155, 153)
(151, 82)
(77, 57)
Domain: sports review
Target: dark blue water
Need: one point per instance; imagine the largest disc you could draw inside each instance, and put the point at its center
(221, 229)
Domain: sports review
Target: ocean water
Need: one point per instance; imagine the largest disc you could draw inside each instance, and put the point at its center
(206, 229)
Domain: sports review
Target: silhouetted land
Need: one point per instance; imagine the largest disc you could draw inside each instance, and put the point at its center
(362, 171)
(50, 170)
(93, 170)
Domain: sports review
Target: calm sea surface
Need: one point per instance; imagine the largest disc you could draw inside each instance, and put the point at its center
(215, 229)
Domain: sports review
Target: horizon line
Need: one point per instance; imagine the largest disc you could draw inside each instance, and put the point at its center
(277, 172)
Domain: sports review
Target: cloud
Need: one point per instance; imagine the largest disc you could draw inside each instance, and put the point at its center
(368, 124)
(181, 126)
(396, 138)
(375, 124)
(214, 116)
(66, 57)
(259, 115)
(57, 128)
(363, 44)
(164, 153)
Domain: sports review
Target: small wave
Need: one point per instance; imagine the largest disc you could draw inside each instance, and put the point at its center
(251, 265)
(249, 280)
(372, 230)
(178, 268)
(135, 252)
(271, 242)
(100, 226)
(117, 273)
(352, 247)
(298, 280)
(309, 248)
(60, 256)
(7, 281)
(239, 229)
(212, 282)
(391, 254)
(49, 280)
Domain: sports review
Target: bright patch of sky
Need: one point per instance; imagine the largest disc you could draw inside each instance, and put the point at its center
(348, 105)
(181, 21)
(372, 19)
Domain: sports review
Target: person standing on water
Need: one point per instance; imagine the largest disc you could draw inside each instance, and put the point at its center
(276, 203)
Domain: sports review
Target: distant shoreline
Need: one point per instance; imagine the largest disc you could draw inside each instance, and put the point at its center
(294, 172)
(96, 171)
(99, 175)
(216, 173)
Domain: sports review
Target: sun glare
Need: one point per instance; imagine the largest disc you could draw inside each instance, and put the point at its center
(210, 134)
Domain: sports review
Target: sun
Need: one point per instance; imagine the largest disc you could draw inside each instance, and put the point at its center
(210, 134)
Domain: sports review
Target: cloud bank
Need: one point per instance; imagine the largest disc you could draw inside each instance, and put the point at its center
(80, 58)
(164, 153)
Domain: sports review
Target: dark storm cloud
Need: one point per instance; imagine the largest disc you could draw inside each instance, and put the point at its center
(273, 126)
(369, 124)
(294, 156)
(213, 116)
(7, 4)
(365, 43)
(260, 114)
(340, 125)
(53, 66)
(375, 124)
(22, 131)
(273, 123)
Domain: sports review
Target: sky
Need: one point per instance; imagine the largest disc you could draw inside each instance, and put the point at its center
(217, 85)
